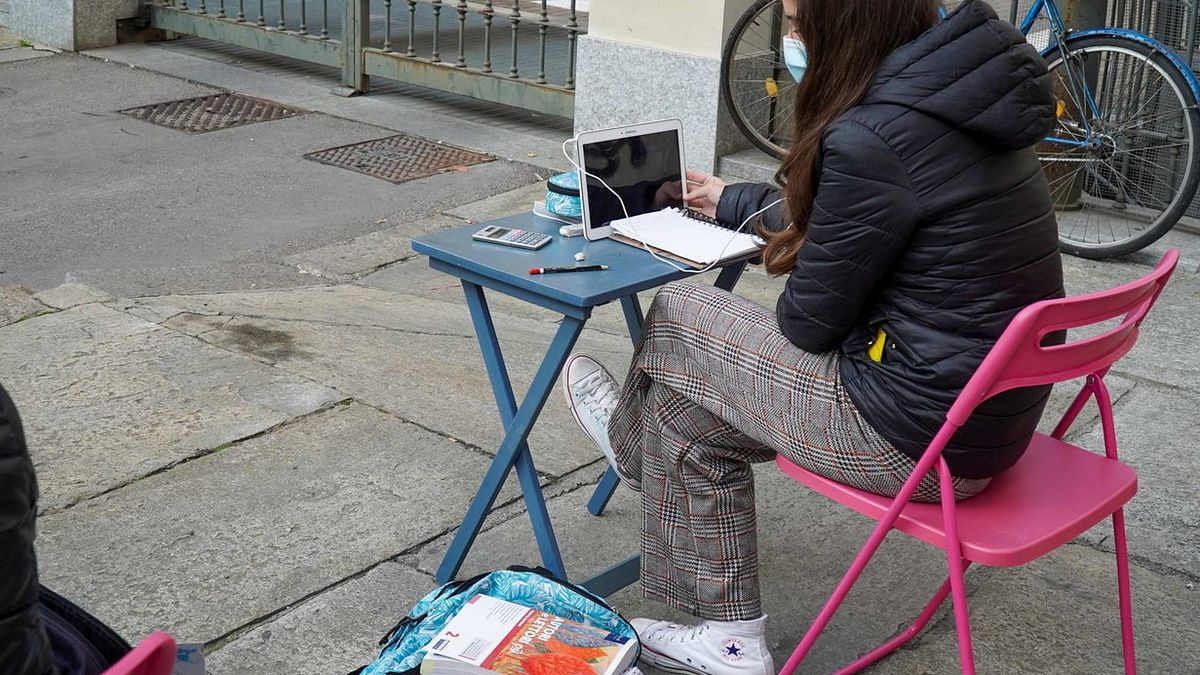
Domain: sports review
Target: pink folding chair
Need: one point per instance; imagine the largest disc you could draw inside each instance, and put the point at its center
(1053, 494)
(153, 656)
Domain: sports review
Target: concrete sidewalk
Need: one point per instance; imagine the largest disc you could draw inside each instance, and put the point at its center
(267, 452)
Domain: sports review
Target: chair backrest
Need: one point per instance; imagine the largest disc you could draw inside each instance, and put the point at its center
(1020, 359)
(153, 656)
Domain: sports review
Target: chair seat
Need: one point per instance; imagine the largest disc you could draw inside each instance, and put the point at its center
(1052, 495)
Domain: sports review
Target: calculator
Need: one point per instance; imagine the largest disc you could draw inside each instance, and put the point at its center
(510, 237)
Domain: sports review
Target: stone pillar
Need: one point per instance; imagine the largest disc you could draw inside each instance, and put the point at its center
(644, 60)
(73, 25)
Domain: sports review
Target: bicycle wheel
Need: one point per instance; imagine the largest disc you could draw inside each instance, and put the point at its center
(1121, 163)
(755, 81)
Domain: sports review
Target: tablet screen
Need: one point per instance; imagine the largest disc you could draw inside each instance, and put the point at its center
(643, 169)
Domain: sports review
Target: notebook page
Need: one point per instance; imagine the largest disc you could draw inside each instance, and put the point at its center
(685, 237)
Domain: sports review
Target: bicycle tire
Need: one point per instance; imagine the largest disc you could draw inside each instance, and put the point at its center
(1181, 92)
(728, 63)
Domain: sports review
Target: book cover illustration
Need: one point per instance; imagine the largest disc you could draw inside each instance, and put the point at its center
(513, 640)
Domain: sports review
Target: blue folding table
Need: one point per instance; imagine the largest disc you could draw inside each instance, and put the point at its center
(505, 270)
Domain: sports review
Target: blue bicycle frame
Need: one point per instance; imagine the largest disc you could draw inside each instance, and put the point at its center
(1061, 35)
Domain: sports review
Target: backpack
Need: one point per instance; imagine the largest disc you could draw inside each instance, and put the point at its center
(536, 588)
(80, 644)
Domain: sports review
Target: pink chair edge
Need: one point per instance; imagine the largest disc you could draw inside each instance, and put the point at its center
(155, 655)
(986, 382)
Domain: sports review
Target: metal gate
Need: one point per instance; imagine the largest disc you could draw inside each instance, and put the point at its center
(517, 52)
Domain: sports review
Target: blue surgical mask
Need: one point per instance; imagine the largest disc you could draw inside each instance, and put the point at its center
(795, 56)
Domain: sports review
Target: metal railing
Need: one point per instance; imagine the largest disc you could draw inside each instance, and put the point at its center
(517, 52)
(474, 25)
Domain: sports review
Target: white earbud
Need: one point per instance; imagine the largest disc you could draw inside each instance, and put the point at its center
(581, 256)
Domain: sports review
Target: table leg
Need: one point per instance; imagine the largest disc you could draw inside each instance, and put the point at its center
(730, 276)
(613, 579)
(514, 450)
(632, 308)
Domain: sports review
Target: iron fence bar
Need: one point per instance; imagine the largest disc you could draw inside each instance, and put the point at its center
(303, 18)
(1012, 13)
(437, 31)
(203, 8)
(487, 36)
(262, 18)
(221, 10)
(241, 15)
(572, 43)
(515, 18)
(387, 25)
(543, 22)
(1191, 19)
(281, 25)
(462, 34)
(324, 19)
(412, 28)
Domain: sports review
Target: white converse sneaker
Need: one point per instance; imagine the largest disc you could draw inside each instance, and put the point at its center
(711, 648)
(592, 396)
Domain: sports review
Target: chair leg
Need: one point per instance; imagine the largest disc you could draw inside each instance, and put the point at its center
(954, 561)
(962, 617)
(1123, 590)
(905, 636)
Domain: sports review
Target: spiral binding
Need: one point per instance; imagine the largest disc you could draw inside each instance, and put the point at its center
(696, 215)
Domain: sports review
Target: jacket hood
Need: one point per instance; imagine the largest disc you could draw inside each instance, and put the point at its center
(975, 72)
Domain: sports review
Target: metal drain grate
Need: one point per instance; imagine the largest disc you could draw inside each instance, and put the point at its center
(399, 158)
(210, 113)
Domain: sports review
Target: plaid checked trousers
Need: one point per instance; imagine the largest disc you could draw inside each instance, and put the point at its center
(714, 387)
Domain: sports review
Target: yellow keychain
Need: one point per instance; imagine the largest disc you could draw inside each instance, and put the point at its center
(772, 87)
(875, 351)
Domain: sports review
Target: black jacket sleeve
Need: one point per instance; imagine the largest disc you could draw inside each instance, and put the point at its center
(740, 201)
(24, 648)
(863, 215)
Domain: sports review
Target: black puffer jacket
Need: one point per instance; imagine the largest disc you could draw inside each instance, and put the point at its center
(932, 220)
(24, 648)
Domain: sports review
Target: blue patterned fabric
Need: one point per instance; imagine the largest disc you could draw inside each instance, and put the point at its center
(403, 651)
(562, 195)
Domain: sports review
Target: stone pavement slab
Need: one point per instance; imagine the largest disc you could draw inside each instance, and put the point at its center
(107, 398)
(72, 295)
(18, 303)
(1156, 435)
(364, 254)
(223, 540)
(416, 358)
(211, 277)
(1059, 615)
(504, 204)
(331, 633)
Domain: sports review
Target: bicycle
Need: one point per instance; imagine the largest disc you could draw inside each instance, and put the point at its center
(1122, 162)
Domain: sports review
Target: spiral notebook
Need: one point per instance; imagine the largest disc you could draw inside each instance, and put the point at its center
(685, 235)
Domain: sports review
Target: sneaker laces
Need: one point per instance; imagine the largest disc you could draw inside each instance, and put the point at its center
(598, 393)
(677, 633)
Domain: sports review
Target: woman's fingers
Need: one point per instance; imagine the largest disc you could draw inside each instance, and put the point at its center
(697, 177)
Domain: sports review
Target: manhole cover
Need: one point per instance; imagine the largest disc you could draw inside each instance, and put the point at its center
(399, 158)
(210, 113)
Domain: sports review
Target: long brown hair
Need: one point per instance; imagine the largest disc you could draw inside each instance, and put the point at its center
(847, 41)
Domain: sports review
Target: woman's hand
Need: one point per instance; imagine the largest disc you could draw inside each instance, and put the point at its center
(704, 192)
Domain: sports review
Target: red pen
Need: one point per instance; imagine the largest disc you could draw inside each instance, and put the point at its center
(559, 270)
